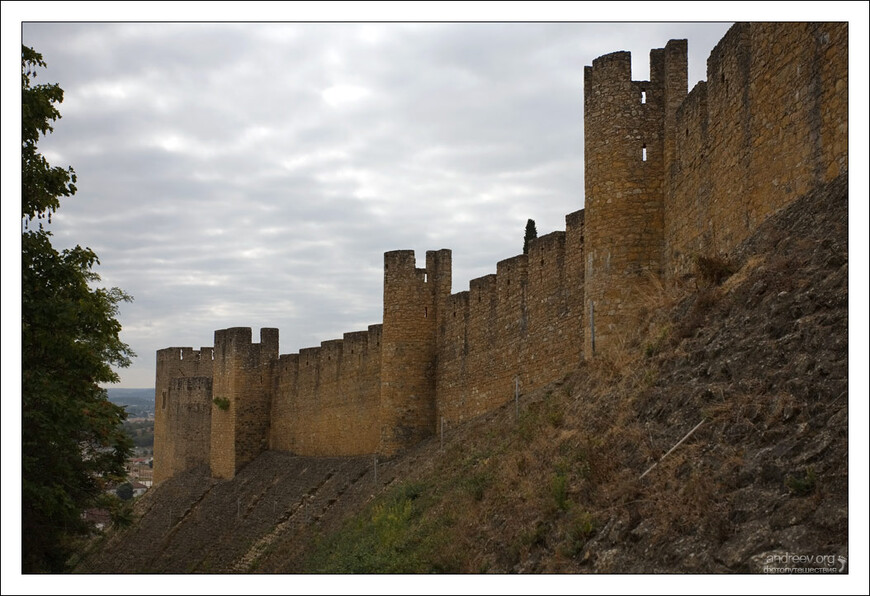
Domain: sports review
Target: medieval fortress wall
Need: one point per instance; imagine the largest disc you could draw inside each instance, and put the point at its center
(670, 174)
(769, 124)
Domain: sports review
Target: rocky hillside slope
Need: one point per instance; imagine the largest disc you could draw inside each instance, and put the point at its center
(714, 441)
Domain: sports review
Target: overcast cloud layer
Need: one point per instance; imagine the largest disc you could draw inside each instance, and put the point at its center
(254, 174)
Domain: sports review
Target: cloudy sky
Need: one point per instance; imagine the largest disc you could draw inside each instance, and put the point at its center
(253, 174)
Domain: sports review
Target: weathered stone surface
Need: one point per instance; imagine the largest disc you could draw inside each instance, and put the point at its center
(182, 413)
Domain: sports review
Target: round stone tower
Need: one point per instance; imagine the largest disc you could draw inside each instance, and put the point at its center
(626, 151)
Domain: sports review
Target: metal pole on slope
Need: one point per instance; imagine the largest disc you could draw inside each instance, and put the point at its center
(671, 450)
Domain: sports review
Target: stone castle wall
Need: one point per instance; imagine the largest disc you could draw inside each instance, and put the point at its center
(669, 175)
(522, 326)
(326, 400)
(769, 124)
(243, 379)
(182, 412)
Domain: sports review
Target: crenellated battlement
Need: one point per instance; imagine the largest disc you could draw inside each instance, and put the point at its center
(237, 342)
(186, 353)
(325, 398)
(669, 174)
(546, 253)
(483, 288)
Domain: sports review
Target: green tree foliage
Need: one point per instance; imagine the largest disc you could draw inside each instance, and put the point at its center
(531, 234)
(41, 185)
(140, 432)
(125, 491)
(72, 439)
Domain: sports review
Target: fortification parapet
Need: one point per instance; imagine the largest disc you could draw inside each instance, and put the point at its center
(674, 71)
(544, 251)
(512, 279)
(439, 269)
(729, 137)
(482, 340)
(179, 421)
(326, 398)
(412, 298)
(575, 282)
(575, 231)
(286, 422)
(482, 288)
(687, 205)
(770, 123)
(625, 125)
(376, 334)
(615, 66)
(242, 397)
(553, 306)
(189, 421)
(356, 340)
(332, 349)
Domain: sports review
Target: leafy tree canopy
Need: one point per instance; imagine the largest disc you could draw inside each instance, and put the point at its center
(72, 439)
(41, 185)
(125, 491)
(531, 234)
